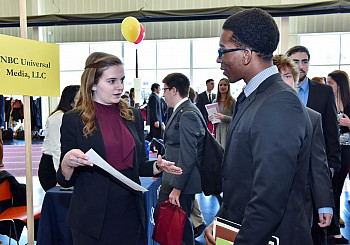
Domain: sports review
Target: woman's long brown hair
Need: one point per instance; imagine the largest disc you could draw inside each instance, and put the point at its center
(95, 65)
(228, 95)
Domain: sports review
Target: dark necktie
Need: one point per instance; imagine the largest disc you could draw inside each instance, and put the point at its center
(210, 98)
(241, 97)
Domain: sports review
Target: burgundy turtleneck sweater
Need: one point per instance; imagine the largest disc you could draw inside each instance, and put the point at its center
(118, 140)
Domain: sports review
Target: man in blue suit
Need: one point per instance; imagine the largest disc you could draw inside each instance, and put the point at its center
(267, 152)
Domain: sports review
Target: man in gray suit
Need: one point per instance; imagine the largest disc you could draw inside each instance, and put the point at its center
(184, 141)
(267, 153)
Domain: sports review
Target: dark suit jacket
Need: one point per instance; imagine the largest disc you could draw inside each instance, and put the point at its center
(88, 203)
(154, 111)
(265, 166)
(184, 145)
(201, 101)
(319, 190)
(321, 99)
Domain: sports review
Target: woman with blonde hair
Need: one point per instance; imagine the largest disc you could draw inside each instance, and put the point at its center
(226, 105)
(103, 210)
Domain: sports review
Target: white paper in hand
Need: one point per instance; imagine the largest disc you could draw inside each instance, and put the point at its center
(99, 161)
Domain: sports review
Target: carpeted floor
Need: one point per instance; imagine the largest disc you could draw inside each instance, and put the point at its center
(14, 159)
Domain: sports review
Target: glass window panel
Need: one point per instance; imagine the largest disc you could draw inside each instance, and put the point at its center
(200, 76)
(324, 49)
(345, 49)
(173, 54)
(320, 71)
(161, 74)
(148, 77)
(205, 52)
(73, 56)
(69, 78)
(146, 52)
(346, 69)
(114, 48)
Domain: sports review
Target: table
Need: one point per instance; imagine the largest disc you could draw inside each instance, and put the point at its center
(53, 228)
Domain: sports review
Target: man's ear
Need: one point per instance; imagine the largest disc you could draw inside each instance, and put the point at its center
(247, 56)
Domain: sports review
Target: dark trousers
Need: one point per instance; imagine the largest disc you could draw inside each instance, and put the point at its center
(338, 183)
(186, 202)
(319, 234)
(47, 172)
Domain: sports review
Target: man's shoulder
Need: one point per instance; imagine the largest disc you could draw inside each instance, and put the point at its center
(319, 86)
(314, 115)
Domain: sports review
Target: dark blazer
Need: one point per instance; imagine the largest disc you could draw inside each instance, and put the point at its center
(321, 99)
(184, 145)
(154, 112)
(88, 203)
(201, 101)
(265, 166)
(319, 190)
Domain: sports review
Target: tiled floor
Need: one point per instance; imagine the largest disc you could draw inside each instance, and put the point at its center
(209, 205)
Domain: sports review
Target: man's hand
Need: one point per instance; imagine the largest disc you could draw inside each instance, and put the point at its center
(325, 219)
(208, 235)
(168, 167)
(174, 197)
(156, 124)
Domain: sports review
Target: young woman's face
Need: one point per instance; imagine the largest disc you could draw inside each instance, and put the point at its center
(223, 87)
(333, 84)
(110, 86)
(74, 103)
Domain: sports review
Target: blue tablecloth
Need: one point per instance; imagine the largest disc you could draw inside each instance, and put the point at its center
(53, 229)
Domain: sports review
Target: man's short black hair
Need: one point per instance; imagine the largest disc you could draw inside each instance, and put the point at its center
(179, 81)
(297, 49)
(209, 80)
(256, 29)
(154, 86)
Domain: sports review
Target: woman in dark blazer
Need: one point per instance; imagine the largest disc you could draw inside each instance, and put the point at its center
(339, 81)
(102, 209)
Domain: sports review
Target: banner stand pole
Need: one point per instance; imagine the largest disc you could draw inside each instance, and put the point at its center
(27, 138)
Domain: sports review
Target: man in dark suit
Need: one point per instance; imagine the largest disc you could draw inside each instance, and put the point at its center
(184, 141)
(154, 111)
(320, 98)
(207, 97)
(267, 151)
(319, 192)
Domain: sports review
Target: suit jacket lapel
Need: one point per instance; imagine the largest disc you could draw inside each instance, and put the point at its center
(247, 102)
(311, 98)
(174, 115)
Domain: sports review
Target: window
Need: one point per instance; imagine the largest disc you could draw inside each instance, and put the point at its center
(329, 52)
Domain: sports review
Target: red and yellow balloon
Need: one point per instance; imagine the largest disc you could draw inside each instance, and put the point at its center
(132, 30)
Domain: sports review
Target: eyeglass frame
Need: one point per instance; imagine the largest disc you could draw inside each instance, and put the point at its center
(164, 89)
(224, 51)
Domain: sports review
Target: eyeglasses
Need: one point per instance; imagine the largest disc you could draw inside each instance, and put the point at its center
(224, 51)
(164, 89)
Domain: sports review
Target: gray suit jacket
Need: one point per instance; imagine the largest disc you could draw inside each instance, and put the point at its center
(184, 143)
(319, 190)
(265, 166)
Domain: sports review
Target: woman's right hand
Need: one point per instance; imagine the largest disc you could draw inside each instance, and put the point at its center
(211, 118)
(72, 159)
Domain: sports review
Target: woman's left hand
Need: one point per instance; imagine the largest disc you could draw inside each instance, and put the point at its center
(219, 115)
(168, 167)
(344, 121)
